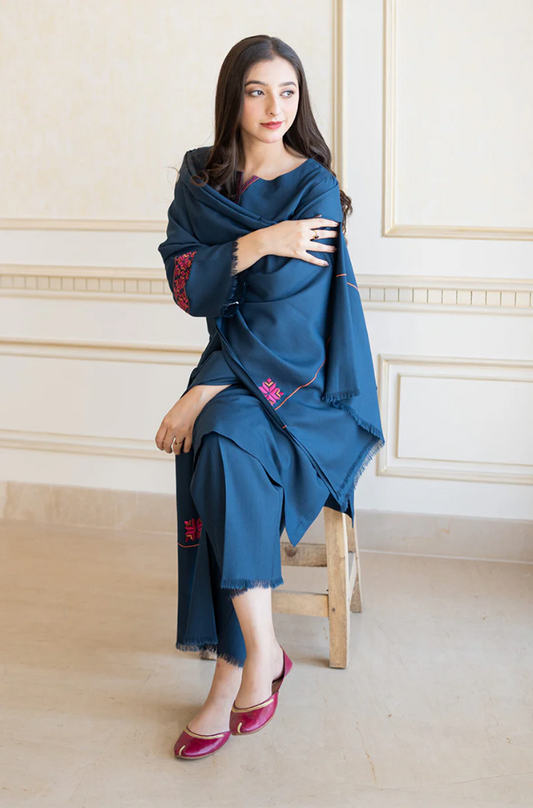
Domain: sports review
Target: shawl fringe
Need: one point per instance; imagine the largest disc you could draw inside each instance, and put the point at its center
(369, 457)
(374, 430)
(234, 257)
(231, 306)
(200, 645)
(238, 585)
(332, 397)
(368, 453)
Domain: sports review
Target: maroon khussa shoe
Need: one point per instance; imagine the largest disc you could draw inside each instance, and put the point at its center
(191, 745)
(245, 720)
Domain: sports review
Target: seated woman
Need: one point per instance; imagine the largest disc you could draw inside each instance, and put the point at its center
(280, 417)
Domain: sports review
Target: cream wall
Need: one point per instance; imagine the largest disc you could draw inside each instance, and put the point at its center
(93, 352)
(441, 231)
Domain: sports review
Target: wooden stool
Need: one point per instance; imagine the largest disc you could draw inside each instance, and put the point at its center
(344, 583)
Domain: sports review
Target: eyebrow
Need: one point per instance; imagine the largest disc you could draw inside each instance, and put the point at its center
(265, 84)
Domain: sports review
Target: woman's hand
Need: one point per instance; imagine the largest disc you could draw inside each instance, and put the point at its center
(178, 423)
(294, 237)
(291, 238)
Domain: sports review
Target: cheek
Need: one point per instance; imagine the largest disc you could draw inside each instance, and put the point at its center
(250, 111)
(291, 107)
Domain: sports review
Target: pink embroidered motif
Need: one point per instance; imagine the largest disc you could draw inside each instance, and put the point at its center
(193, 528)
(182, 270)
(271, 392)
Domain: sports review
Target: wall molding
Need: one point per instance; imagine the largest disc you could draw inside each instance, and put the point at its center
(113, 225)
(339, 138)
(34, 440)
(96, 350)
(159, 226)
(419, 292)
(84, 281)
(390, 227)
(391, 369)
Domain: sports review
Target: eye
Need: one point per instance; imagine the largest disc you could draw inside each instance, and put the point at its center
(260, 91)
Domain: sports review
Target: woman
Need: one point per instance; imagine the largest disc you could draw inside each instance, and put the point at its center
(280, 417)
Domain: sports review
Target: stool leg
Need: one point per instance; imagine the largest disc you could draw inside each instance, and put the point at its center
(356, 602)
(338, 575)
(205, 654)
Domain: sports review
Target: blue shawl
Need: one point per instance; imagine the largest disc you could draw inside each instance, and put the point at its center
(292, 332)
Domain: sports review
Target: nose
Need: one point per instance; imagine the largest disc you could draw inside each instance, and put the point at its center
(273, 107)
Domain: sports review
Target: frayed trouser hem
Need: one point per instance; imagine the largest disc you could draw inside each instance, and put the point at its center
(210, 646)
(239, 585)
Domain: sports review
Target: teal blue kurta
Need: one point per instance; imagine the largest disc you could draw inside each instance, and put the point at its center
(287, 335)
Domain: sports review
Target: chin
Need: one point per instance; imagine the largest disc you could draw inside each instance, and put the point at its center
(272, 135)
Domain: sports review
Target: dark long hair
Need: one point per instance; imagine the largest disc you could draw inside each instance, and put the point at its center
(303, 137)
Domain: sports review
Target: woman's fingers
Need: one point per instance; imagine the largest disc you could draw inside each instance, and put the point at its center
(319, 225)
(175, 432)
(160, 437)
(318, 222)
(164, 439)
(314, 244)
(312, 260)
(167, 443)
(326, 233)
(182, 444)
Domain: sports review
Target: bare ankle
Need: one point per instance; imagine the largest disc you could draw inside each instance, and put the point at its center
(264, 650)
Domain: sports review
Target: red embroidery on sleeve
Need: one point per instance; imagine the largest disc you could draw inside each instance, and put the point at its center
(182, 270)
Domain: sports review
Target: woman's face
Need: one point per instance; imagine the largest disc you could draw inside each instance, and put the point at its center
(270, 94)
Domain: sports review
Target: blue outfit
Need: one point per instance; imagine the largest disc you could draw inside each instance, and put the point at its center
(299, 421)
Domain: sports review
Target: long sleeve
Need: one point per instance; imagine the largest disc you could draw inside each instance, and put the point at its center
(202, 277)
(214, 371)
(212, 368)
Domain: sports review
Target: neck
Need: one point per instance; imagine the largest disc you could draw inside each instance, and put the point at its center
(264, 159)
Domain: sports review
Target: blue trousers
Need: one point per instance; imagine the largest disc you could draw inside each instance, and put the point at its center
(230, 521)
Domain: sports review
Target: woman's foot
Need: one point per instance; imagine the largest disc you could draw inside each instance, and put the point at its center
(261, 667)
(214, 714)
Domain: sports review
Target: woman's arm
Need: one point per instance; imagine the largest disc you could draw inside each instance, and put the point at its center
(179, 421)
(205, 281)
(291, 238)
(201, 277)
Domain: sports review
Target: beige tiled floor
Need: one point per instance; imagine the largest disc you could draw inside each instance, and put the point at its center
(434, 711)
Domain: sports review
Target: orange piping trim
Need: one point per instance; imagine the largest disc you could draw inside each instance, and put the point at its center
(302, 385)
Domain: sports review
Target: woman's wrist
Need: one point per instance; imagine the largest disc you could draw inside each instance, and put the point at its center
(260, 242)
(205, 392)
(251, 248)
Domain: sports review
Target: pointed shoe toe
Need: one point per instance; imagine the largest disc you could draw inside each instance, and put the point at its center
(245, 720)
(192, 745)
